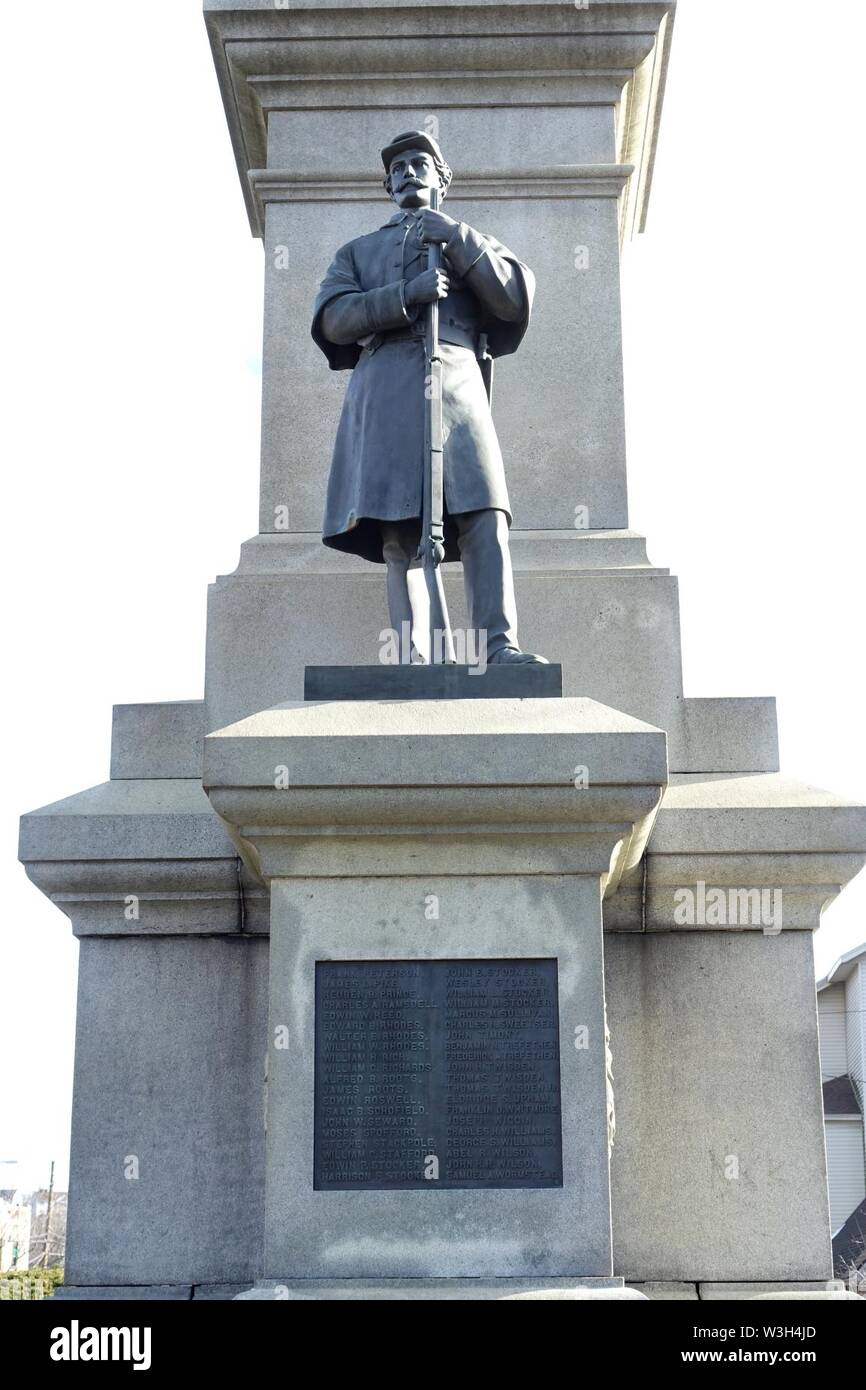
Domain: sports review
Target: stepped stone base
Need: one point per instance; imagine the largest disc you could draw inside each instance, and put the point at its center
(404, 1290)
(447, 1290)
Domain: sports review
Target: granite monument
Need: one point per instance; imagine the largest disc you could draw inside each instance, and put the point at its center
(349, 965)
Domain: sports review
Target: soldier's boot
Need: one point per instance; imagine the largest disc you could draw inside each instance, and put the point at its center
(482, 538)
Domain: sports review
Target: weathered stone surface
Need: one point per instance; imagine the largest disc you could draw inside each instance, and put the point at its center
(161, 740)
(217, 1293)
(832, 1296)
(718, 1170)
(167, 1154)
(660, 1291)
(141, 819)
(141, 857)
(730, 735)
(472, 786)
(774, 1292)
(131, 1293)
(616, 635)
(747, 835)
(443, 743)
(768, 813)
(492, 55)
(439, 1290)
(574, 1295)
(151, 897)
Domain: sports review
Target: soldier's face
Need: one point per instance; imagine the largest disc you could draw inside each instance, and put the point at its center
(413, 176)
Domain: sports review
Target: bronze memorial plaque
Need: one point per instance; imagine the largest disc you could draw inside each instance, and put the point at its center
(437, 1074)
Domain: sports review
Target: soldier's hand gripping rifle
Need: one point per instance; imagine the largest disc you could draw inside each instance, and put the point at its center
(431, 551)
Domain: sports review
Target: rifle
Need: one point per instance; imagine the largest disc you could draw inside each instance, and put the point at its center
(431, 551)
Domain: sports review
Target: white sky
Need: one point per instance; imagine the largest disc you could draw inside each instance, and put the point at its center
(132, 363)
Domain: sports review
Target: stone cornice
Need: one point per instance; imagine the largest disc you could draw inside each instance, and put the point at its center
(384, 90)
(378, 56)
(464, 787)
(278, 835)
(141, 858)
(131, 819)
(550, 552)
(798, 886)
(191, 897)
(742, 834)
(559, 181)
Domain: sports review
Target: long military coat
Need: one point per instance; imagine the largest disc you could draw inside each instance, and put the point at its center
(360, 323)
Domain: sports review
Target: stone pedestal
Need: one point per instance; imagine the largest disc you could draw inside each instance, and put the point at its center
(466, 832)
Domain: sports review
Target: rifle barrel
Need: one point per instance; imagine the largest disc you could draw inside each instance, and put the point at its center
(433, 534)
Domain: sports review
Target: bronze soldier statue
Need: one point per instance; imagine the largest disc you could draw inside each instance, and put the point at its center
(370, 317)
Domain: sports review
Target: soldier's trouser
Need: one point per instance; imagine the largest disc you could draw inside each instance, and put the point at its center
(482, 539)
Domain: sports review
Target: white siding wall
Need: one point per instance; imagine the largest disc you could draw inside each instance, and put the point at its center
(846, 1169)
(854, 1001)
(832, 1032)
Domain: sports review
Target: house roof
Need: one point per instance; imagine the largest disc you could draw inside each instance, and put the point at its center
(849, 1244)
(840, 1098)
(843, 967)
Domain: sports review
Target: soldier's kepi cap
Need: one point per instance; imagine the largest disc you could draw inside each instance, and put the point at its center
(412, 140)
